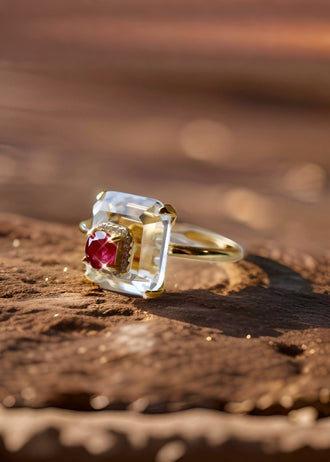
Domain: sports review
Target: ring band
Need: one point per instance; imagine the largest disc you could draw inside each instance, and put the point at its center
(129, 238)
(200, 244)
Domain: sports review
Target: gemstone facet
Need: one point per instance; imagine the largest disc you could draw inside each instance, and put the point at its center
(145, 254)
(100, 251)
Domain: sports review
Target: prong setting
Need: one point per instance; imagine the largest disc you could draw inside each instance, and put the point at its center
(168, 209)
(85, 225)
(100, 195)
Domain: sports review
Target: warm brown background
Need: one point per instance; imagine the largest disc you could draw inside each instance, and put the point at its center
(221, 108)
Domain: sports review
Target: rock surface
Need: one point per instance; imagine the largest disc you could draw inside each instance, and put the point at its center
(194, 435)
(246, 338)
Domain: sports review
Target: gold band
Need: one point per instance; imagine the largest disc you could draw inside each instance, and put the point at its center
(200, 244)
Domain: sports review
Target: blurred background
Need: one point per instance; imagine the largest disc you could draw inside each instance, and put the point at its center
(218, 107)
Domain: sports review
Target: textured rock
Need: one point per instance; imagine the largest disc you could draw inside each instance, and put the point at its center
(255, 332)
(247, 338)
(194, 435)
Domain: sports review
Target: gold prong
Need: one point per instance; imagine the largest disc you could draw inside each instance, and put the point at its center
(86, 225)
(84, 259)
(100, 195)
(154, 293)
(167, 209)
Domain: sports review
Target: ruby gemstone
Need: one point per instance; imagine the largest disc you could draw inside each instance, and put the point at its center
(100, 251)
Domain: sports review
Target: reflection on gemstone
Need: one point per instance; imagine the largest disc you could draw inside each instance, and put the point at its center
(100, 251)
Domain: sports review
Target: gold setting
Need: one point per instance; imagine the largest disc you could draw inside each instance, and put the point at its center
(169, 210)
(155, 293)
(193, 242)
(86, 225)
(100, 195)
(185, 242)
(122, 236)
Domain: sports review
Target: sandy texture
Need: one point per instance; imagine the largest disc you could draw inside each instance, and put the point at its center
(250, 337)
(56, 435)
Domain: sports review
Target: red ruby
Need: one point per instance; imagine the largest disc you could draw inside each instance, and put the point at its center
(100, 252)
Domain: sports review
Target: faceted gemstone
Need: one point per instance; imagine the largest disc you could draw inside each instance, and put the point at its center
(100, 251)
(151, 231)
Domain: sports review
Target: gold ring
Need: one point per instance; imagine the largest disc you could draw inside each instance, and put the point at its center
(129, 238)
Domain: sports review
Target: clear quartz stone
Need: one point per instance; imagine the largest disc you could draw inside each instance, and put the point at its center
(151, 235)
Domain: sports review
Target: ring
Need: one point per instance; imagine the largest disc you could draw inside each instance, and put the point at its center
(129, 238)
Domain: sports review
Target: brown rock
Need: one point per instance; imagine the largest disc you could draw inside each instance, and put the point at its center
(193, 435)
(247, 338)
